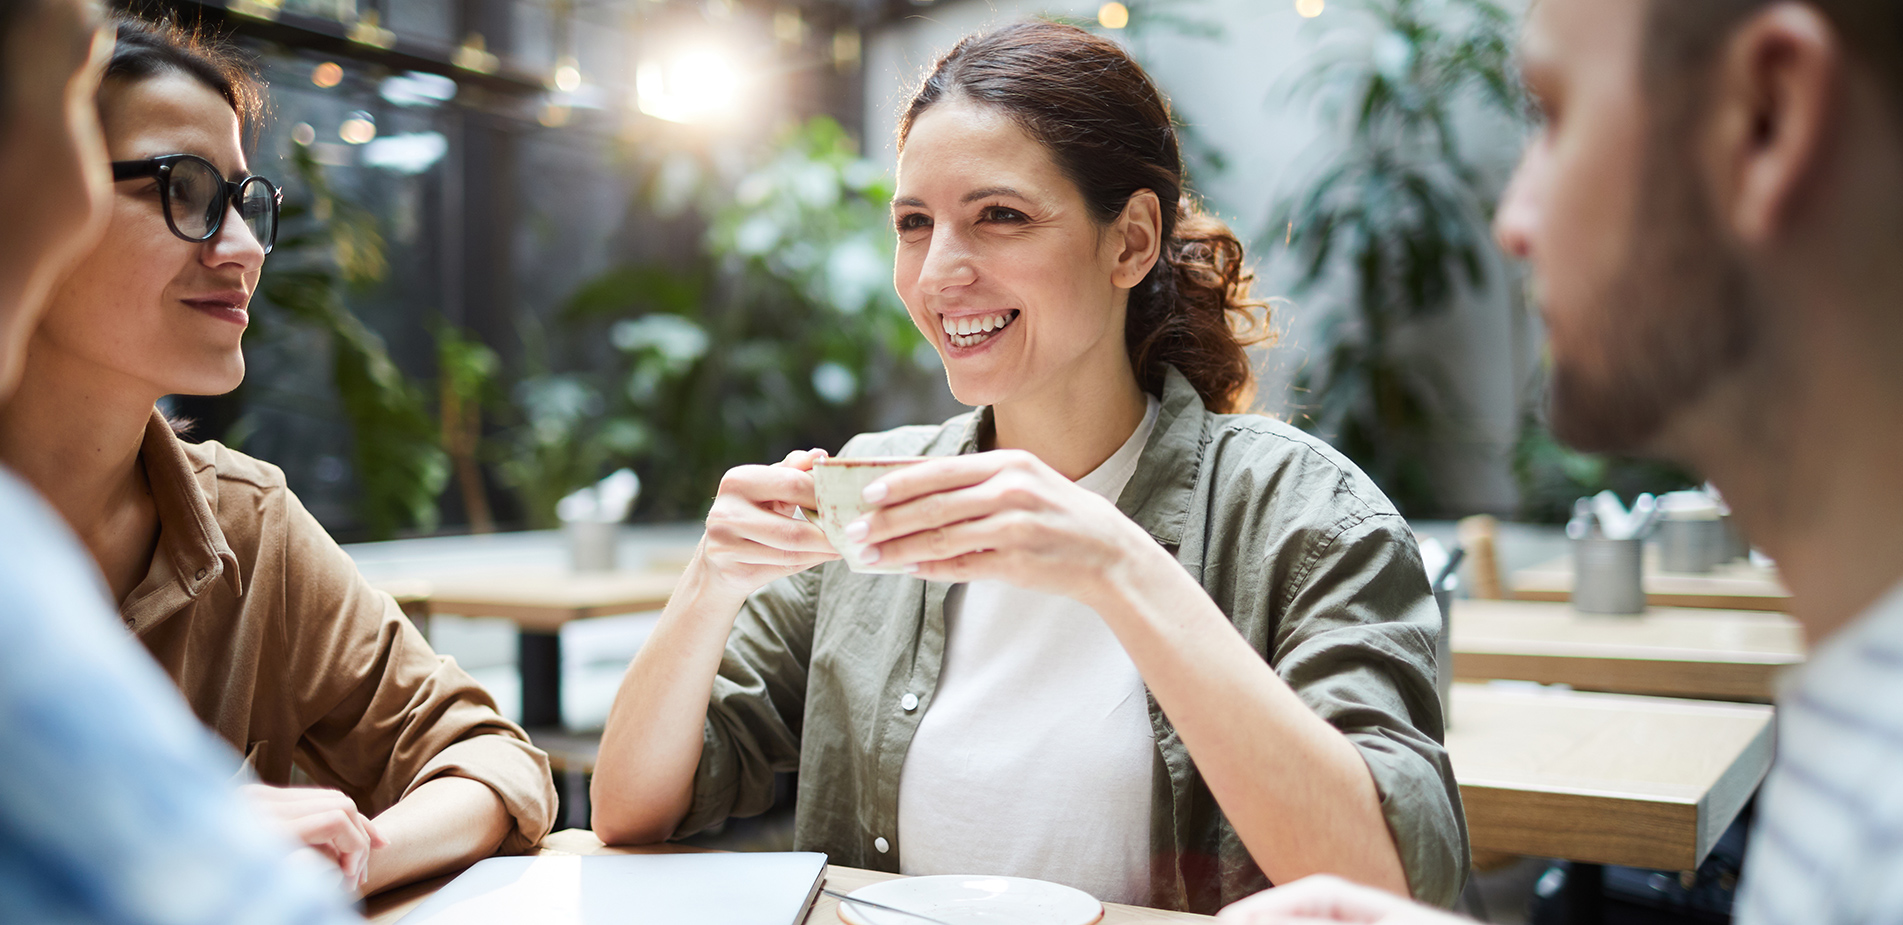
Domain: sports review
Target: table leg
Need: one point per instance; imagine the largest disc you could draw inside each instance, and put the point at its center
(1585, 894)
(539, 659)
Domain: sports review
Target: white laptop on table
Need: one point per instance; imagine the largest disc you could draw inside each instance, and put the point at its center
(739, 888)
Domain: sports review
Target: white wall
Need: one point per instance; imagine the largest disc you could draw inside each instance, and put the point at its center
(1233, 92)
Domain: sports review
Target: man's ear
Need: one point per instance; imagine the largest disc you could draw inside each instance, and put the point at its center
(1775, 96)
(1137, 235)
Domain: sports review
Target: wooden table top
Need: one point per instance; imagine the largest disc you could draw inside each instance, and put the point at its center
(1603, 778)
(1713, 654)
(1732, 586)
(539, 598)
(392, 905)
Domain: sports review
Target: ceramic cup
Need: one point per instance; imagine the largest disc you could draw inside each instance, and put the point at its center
(840, 484)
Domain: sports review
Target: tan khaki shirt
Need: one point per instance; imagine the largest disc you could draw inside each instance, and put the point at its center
(286, 652)
(829, 671)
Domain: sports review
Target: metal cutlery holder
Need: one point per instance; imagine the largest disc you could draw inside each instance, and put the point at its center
(1608, 575)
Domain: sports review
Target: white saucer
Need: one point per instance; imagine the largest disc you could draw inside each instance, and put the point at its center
(959, 899)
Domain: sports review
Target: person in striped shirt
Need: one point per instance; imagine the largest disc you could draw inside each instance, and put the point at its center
(1713, 208)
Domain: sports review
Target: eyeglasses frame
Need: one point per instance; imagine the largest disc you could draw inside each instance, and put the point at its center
(161, 167)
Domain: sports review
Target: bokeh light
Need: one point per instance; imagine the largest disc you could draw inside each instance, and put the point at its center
(359, 128)
(567, 76)
(328, 74)
(303, 133)
(1113, 15)
(1309, 9)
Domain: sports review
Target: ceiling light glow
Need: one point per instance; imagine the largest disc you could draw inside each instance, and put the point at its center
(696, 86)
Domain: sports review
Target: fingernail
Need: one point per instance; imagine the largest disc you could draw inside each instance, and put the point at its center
(857, 531)
(874, 493)
(869, 555)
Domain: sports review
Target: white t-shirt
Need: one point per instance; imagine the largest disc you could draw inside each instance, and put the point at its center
(1827, 844)
(1035, 758)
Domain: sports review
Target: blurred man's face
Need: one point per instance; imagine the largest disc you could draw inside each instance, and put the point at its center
(1643, 303)
(54, 181)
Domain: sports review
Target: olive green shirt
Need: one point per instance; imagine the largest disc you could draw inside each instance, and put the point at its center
(828, 672)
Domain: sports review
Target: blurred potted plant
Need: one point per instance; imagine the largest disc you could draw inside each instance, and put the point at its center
(1551, 476)
(783, 334)
(324, 250)
(1398, 216)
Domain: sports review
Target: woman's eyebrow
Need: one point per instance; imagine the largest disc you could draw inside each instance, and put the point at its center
(991, 191)
(971, 197)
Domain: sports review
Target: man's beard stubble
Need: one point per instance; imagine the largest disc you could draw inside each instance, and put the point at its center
(1678, 317)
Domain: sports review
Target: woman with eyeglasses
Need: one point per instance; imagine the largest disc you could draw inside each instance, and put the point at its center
(260, 619)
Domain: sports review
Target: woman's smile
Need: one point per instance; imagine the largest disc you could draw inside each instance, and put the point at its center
(967, 331)
(225, 306)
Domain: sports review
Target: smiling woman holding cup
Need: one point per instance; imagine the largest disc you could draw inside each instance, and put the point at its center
(1117, 636)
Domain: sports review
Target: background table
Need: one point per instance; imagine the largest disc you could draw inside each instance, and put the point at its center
(390, 906)
(1603, 778)
(538, 600)
(525, 577)
(1732, 586)
(1714, 654)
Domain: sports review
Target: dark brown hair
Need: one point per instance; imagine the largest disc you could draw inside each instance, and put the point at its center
(148, 48)
(1683, 36)
(1110, 131)
(11, 12)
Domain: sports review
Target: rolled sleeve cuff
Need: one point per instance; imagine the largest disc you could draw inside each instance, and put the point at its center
(517, 771)
(1423, 816)
(715, 785)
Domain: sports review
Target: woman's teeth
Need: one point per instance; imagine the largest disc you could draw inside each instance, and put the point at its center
(972, 330)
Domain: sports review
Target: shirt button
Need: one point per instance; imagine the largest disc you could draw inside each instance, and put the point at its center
(909, 702)
(131, 622)
(881, 843)
(201, 575)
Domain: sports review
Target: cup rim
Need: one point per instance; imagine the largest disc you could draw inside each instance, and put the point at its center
(851, 462)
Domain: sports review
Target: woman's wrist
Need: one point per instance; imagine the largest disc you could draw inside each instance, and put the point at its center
(1139, 573)
(704, 589)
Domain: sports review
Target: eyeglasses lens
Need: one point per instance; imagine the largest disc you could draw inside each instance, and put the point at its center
(259, 208)
(194, 190)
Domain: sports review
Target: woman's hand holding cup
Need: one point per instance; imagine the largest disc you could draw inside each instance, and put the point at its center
(1002, 515)
(755, 533)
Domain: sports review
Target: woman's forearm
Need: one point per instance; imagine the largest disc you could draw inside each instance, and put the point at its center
(1297, 791)
(448, 823)
(644, 777)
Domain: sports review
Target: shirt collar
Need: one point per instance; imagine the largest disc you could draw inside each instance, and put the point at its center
(1158, 494)
(183, 491)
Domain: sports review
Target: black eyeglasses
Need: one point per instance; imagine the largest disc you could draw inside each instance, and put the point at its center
(196, 197)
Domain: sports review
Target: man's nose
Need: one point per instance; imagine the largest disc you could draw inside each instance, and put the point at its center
(1515, 219)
